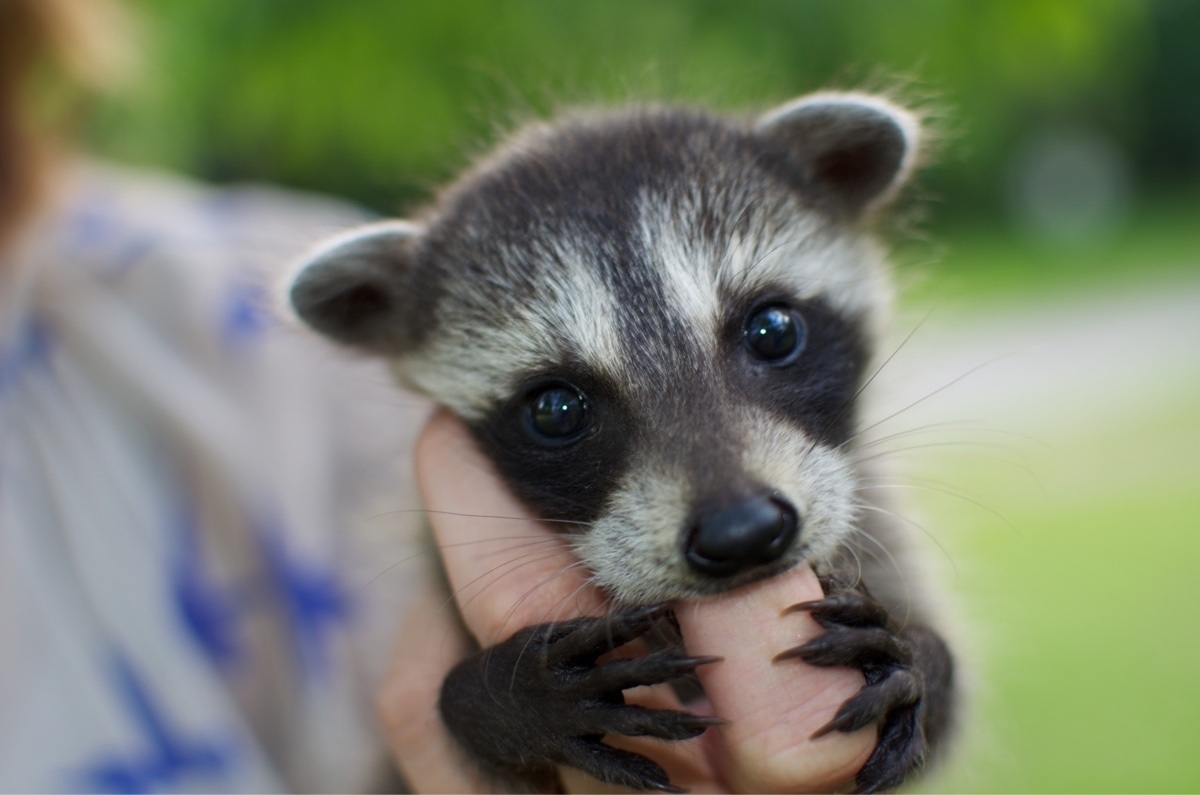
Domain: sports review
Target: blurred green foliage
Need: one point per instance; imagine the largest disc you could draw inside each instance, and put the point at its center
(380, 100)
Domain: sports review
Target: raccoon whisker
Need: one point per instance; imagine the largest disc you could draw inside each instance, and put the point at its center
(573, 593)
(854, 554)
(535, 542)
(722, 259)
(532, 520)
(934, 430)
(474, 541)
(965, 443)
(520, 561)
(963, 426)
(913, 523)
(948, 425)
(512, 610)
(759, 258)
(497, 568)
(390, 403)
(450, 600)
(857, 552)
(545, 581)
(929, 395)
(905, 480)
(588, 582)
(551, 624)
(429, 551)
(951, 493)
(959, 450)
(1033, 476)
(853, 399)
(891, 559)
(400, 562)
(990, 459)
(954, 450)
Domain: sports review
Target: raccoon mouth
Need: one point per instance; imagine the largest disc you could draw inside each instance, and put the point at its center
(702, 587)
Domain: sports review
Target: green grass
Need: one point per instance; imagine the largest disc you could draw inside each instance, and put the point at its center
(1086, 611)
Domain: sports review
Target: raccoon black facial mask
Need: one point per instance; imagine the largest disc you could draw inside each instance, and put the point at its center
(657, 323)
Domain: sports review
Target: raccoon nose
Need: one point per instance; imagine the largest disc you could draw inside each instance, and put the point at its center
(742, 536)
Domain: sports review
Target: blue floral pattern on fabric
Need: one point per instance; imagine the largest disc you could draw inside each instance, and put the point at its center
(31, 347)
(244, 312)
(167, 756)
(210, 614)
(313, 596)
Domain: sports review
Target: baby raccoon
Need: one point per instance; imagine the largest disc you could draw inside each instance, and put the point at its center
(657, 323)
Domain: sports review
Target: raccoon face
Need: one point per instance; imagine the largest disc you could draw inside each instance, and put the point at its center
(656, 324)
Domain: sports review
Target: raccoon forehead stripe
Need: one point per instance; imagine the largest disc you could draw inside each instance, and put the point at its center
(482, 353)
(809, 260)
(686, 265)
(585, 312)
(781, 246)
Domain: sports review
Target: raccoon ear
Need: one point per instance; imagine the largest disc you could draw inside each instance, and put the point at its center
(359, 287)
(850, 152)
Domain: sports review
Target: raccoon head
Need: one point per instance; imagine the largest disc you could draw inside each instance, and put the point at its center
(655, 322)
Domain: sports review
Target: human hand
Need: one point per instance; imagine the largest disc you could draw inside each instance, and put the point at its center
(508, 571)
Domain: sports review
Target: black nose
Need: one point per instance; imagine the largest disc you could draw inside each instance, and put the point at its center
(742, 536)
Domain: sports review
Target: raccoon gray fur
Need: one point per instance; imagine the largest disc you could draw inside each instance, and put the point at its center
(657, 323)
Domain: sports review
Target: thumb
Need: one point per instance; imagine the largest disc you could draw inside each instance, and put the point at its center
(773, 708)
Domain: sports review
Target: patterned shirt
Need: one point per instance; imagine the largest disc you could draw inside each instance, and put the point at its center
(199, 541)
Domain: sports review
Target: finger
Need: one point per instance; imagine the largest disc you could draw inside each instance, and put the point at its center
(773, 708)
(506, 570)
(430, 643)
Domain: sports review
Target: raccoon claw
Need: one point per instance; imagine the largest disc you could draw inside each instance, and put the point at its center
(900, 751)
(584, 639)
(653, 669)
(873, 703)
(843, 608)
(622, 768)
(858, 635)
(540, 699)
(663, 724)
(871, 649)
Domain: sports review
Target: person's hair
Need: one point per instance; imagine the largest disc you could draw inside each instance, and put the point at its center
(65, 44)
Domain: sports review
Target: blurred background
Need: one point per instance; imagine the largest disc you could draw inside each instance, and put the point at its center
(1051, 255)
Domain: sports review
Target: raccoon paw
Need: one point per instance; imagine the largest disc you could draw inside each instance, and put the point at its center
(539, 699)
(858, 634)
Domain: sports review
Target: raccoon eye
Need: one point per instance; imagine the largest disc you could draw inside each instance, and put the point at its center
(775, 334)
(558, 413)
